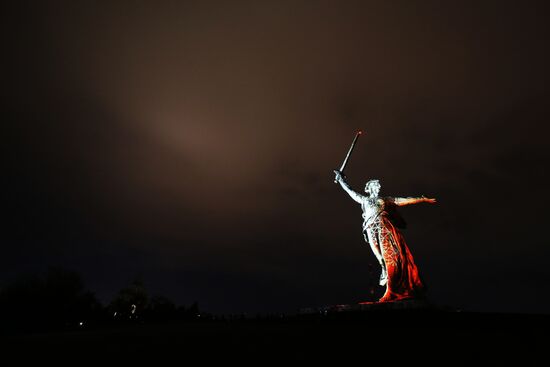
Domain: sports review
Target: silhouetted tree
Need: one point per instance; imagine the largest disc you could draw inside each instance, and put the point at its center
(193, 311)
(130, 302)
(55, 300)
(161, 308)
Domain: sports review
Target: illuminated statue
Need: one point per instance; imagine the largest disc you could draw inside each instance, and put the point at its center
(380, 230)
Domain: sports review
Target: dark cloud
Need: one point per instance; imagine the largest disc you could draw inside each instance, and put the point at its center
(194, 143)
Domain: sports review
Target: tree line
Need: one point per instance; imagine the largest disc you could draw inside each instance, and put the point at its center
(58, 300)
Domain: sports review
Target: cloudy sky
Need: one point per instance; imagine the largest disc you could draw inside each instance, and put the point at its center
(192, 143)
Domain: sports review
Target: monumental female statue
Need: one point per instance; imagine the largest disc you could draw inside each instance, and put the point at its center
(380, 229)
(381, 223)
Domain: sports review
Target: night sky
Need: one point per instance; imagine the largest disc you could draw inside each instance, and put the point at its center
(191, 144)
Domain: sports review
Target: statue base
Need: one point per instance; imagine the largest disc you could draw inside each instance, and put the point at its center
(400, 305)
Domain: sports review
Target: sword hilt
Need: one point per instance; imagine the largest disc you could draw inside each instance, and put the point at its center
(338, 173)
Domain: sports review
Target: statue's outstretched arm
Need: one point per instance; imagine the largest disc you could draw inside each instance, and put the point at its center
(353, 194)
(410, 201)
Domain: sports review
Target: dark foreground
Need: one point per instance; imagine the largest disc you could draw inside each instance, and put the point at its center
(345, 337)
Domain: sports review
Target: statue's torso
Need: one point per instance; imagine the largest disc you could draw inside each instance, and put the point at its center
(372, 209)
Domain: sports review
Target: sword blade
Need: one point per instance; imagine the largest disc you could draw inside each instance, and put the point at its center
(350, 150)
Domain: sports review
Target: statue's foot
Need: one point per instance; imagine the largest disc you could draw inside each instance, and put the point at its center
(388, 298)
(394, 298)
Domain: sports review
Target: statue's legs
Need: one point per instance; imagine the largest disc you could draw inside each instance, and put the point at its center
(403, 279)
(371, 237)
(391, 258)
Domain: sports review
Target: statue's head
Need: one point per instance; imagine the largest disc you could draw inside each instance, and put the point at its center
(372, 188)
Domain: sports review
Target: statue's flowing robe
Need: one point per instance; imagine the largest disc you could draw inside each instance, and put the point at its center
(403, 279)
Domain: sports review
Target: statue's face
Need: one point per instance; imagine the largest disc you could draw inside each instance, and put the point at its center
(372, 188)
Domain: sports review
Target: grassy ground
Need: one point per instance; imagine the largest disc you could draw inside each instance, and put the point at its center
(346, 337)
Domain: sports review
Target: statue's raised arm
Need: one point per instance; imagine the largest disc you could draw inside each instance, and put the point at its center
(412, 200)
(353, 194)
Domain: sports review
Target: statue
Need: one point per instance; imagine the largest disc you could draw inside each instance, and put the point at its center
(381, 223)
